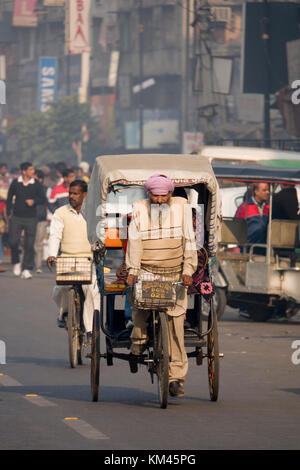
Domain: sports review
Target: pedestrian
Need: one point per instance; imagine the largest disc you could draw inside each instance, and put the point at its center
(85, 167)
(42, 225)
(5, 181)
(26, 193)
(60, 193)
(3, 225)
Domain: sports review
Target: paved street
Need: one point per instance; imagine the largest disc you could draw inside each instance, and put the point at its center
(44, 404)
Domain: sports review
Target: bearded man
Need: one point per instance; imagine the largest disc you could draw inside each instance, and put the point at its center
(161, 240)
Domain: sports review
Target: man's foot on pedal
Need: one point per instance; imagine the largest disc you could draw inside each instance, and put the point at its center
(133, 364)
(176, 390)
(88, 341)
(129, 325)
(61, 322)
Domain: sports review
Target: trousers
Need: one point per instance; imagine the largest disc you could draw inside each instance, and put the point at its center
(41, 231)
(178, 363)
(17, 225)
(91, 302)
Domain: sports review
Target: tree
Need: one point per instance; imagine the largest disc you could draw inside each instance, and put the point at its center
(48, 137)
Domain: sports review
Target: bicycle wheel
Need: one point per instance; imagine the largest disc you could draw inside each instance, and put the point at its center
(213, 359)
(73, 328)
(162, 360)
(95, 357)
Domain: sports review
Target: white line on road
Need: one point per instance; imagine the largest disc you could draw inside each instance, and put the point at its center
(85, 429)
(9, 381)
(38, 400)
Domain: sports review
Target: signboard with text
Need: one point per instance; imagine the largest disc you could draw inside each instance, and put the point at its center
(78, 26)
(47, 82)
(24, 14)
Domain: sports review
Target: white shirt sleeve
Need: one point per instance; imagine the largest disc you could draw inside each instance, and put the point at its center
(55, 235)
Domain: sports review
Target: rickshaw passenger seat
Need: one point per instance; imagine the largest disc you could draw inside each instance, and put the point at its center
(285, 233)
(285, 239)
(233, 232)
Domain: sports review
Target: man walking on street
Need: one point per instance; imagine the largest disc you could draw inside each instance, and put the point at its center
(42, 225)
(24, 194)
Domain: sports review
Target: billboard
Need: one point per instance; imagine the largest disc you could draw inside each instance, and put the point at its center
(47, 82)
(24, 14)
(78, 26)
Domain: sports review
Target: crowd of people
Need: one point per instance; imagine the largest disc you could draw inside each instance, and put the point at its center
(29, 197)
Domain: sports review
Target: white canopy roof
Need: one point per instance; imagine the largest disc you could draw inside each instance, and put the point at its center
(110, 170)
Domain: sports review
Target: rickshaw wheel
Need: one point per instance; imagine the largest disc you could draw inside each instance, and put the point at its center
(95, 356)
(213, 355)
(73, 329)
(162, 357)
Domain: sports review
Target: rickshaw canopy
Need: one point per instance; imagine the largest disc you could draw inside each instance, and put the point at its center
(259, 156)
(110, 171)
(256, 173)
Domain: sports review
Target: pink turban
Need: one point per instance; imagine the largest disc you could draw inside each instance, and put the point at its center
(159, 185)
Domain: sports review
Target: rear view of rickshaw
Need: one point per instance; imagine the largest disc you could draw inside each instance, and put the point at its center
(117, 182)
(263, 278)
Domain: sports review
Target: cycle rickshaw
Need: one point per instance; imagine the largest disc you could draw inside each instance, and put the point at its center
(116, 182)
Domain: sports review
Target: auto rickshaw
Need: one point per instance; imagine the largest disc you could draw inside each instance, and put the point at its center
(267, 283)
(116, 182)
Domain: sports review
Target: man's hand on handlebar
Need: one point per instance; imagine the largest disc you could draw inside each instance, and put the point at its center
(50, 261)
(131, 279)
(187, 280)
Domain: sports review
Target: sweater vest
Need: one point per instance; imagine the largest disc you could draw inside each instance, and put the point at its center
(162, 233)
(74, 240)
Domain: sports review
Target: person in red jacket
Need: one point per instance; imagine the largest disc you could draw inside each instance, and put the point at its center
(256, 212)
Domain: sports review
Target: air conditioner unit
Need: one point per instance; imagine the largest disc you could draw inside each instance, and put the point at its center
(222, 14)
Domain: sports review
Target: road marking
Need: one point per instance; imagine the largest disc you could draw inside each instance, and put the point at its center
(85, 429)
(9, 381)
(38, 400)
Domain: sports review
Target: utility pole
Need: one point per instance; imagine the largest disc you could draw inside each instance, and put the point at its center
(141, 72)
(266, 38)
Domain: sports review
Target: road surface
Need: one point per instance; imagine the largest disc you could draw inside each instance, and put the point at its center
(44, 404)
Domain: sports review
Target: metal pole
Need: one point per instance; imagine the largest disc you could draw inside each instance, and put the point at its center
(266, 39)
(141, 74)
(269, 234)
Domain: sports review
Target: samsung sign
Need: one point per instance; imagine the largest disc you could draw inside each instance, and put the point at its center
(47, 82)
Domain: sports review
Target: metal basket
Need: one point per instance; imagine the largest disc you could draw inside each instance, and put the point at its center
(71, 270)
(155, 291)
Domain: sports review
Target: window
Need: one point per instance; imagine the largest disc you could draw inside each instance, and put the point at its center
(148, 27)
(169, 25)
(124, 32)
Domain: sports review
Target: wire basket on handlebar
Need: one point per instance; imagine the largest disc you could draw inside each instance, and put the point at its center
(73, 270)
(157, 291)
